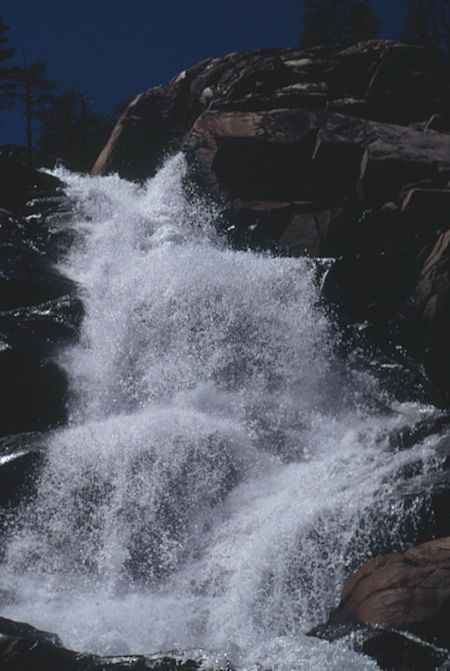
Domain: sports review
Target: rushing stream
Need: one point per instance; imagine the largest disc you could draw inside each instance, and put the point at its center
(223, 470)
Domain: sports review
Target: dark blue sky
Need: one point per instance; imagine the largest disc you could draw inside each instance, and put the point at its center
(113, 49)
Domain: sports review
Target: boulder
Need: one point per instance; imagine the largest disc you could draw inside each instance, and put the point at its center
(24, 648)
(408, 591)
(378, 79)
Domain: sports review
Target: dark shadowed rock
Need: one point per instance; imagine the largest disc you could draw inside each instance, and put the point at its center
(393, 650)
(20, 458)
(38, 309)
(426, 315)
(28, 278)
(42, 328)
(24, 648)
(24, 190)
(256, 156)
(33, 392)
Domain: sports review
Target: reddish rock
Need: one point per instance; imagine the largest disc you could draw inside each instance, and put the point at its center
(430, 311)
(308, 230)
(346, 152)
(403, 590)
(254, 155)
(398, 155)
(378, 80)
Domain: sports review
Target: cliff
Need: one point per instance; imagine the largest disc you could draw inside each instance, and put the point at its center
(329, 152)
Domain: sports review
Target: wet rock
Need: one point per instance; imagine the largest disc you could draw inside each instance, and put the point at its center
(33, 392)
(20, 457)
(22, 188)
(42, 328)
(393, 651)
(396, 609)
(308, 230)
(38, 309)
(418, 203)
(409, 591)
(409, 83)
(24, 648)
(17, 231)
(27, 278)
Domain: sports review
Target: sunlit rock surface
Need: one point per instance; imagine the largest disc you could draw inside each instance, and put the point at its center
(324, 152)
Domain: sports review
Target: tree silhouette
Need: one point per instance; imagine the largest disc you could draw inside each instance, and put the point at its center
(36, 94)
(362, 24)
(7, 81)
(444, 24)
(71, 132)
(338, 22)
(422, 23)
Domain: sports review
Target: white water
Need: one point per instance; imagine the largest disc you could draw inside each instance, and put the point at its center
(222, 469)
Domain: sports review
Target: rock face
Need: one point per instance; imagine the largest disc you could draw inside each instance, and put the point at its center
(39, 313)
(325, 152)
(24, 648)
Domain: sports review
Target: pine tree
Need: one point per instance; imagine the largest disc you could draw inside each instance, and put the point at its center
(361, 23)
(7, 81)
(71, 132)
(422, 23)
(318, 27)
(35, 92)
(338, 22)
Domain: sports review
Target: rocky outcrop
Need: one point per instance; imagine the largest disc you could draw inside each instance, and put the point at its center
(24, 648)
(39, 313)
(377, 80)
(403, 590)
(325, 152)
(395, 595)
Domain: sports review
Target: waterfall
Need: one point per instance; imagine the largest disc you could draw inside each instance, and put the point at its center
(223, 469)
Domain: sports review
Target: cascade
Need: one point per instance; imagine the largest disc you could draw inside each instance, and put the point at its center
(223, 469)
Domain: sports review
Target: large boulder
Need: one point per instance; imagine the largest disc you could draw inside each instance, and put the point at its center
(398, 605)
(378, 80)
(408, 591)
